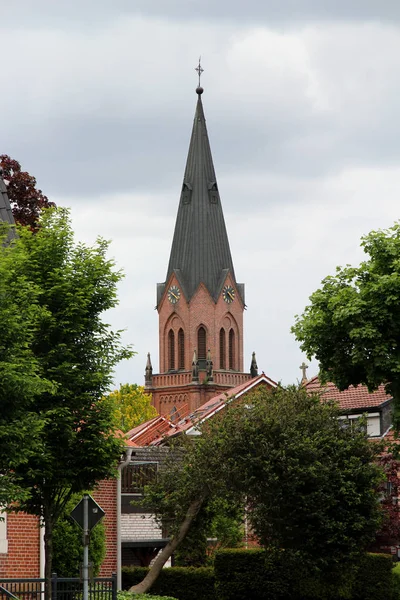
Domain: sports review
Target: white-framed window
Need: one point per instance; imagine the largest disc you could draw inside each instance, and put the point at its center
(3, 533)
(373, 422)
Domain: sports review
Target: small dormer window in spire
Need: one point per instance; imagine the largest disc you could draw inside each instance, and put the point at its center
(186, 193)
(213, 192)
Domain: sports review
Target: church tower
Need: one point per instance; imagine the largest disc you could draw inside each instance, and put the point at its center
(200, 304)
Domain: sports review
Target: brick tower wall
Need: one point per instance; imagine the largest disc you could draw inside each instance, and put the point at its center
(201, 310)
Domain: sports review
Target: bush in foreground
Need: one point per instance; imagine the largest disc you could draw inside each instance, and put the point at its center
(184, 583)
(130, 596)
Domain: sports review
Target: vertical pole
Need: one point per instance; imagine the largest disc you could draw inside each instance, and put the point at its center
(54, 586)
(114, 586)
(85, 569)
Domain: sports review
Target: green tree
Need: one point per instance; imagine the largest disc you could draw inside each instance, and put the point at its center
(132, 406)
(75, 350)
(20, 382)
(352, 325)
(310, 483)
(68, 547)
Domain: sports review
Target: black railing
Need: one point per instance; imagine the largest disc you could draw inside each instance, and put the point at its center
(62, 588)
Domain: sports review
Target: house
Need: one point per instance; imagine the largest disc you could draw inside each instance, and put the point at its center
(357, 401)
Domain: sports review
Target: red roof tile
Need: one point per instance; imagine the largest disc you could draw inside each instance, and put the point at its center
(204, 411)
(351, 399)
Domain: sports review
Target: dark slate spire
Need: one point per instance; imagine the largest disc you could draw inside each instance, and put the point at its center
(5, 208)
(200, 249)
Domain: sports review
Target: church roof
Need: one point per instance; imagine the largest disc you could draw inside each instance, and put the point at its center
(200, 248)
(5, 208)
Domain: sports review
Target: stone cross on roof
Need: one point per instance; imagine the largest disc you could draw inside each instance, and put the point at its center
(303, 367)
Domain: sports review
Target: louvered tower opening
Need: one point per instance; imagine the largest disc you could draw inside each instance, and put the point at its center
(231, 349)
(171, 350)
(222, 349)
(181, 349)
(202, 343)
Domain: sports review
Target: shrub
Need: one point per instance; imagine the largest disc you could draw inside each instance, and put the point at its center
(184, 583)
(396, 582)
(128, 596)
(374, 580)
(252, 574)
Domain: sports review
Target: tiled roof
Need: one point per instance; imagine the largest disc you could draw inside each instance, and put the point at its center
(205, 411)
(351, 399)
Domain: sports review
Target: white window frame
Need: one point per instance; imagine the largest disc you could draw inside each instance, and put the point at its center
(3, 532)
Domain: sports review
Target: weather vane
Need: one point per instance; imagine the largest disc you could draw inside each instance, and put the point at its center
(199, 69)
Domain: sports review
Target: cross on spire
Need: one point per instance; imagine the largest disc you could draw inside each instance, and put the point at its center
(199, 69)
(303, 367)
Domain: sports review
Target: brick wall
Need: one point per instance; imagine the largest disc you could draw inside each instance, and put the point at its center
(23, 554)
(106, 496)
(201, 310)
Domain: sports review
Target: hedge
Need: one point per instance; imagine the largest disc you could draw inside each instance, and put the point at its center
(184, 583)
(252, 575)
(272, 575)
(269, 575)
(374, 580)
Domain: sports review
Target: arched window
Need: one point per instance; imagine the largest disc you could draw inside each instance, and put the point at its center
(222, 349)
(171, 350)
(231, 349)
(201, 343)
(181, 349)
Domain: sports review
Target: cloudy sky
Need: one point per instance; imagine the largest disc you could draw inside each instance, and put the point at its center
(301, 100)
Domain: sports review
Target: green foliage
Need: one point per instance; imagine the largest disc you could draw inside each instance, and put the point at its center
(219, 519)
(130, 596)
(396, 582)
(62, 290)
(352, 325)
(68, 547)
(272, 574)
(184, 583)
(374, 580)
(310, 483)
(20, 376)
(192, 552)
(241, 574)
(132, 406)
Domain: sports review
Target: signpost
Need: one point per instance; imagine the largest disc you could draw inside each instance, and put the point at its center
(87, 513)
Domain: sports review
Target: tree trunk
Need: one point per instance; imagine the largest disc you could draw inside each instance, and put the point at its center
(143, 586)
(48, 553)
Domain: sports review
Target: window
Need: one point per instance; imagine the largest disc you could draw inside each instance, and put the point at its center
(3, 533)
(181, 349)
(222, 349)
(231, 349)
(136, 475)
(171, 350)
(201, 343)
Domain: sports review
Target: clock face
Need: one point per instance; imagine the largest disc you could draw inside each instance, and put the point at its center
(228, 294)
(174, 294)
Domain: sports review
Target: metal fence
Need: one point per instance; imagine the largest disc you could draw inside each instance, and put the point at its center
(62, 588)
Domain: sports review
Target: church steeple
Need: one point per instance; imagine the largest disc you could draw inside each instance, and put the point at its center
(200, 305)
(200, 249)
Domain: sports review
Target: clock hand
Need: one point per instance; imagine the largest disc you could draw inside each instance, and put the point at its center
(172, 294)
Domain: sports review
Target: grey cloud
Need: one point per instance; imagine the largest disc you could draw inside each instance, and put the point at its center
(267, 12)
